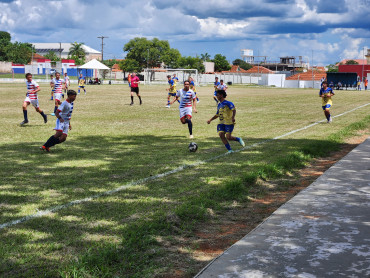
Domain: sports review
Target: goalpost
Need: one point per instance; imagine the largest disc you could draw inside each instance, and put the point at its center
(159, 76)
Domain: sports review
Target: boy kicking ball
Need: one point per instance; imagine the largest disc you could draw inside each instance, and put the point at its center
(63, 114)
(226, 113)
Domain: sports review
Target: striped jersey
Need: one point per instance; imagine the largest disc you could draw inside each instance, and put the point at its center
(221, 87)
(31, 87)
(58, 85)
(65, 110)
(66, 80)
(186, 97)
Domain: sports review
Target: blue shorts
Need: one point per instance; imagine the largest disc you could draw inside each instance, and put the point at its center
(215, 93)
(326, 107)
(225, 128)
(172, 94)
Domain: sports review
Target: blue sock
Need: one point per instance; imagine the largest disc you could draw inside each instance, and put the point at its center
(55, 109)
(228, 147)
(178, 101)
(168, 102)
(237, 139)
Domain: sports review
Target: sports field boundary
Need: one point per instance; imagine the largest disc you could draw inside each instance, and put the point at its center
(167, 173)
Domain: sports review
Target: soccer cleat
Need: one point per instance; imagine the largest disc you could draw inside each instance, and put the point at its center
(43, 148)
(191, 136)
(168, 106)
(241, 142)
(46, 119)
(330, 120)
(24, 122)
(131, 103)
(230, 151)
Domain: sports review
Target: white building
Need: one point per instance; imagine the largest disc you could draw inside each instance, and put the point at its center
(62, 50)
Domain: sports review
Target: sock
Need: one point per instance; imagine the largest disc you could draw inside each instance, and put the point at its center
(132, 99)
(178, 101)
(55, 109)
(25, 115)
(228, 147)
(43, 115)
(168, 102)
(140, 99)
(78, 90)
(190, 126)
(197, 99)
(51, 142)
(85, 91)
(216, 100)
(237, 139)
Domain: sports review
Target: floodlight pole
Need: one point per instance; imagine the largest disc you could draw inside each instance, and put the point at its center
(102, 46)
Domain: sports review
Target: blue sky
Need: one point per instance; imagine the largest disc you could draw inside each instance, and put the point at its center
(331, 30)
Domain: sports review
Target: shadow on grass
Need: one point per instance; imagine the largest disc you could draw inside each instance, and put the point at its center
(118, 234)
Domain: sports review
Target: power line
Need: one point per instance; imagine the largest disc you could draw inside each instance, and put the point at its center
(102, 45)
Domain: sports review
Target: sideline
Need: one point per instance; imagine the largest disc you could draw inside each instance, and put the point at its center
(176, 170)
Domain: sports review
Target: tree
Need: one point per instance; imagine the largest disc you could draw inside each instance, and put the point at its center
(242, 64)
(14, 52)
(129, 65)
(5, 36)
(332, 68)
(77, 51)
(221, 64)
(351, 62)
(191, 63)
(205, 57)
(52, 56)
(151, 53)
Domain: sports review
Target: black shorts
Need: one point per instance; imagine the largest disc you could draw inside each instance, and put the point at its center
(135, 90)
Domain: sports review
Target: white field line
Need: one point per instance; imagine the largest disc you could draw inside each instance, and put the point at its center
(141, 181)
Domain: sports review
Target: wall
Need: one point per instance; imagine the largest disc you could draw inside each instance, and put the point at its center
(359, 69)
(6, 67)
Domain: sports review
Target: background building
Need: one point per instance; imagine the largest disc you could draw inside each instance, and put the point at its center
(61, 49)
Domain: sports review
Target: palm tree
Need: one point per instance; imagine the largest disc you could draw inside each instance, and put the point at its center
(76, 50)
(205, 57)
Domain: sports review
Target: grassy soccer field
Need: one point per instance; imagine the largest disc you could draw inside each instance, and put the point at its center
(112, 144)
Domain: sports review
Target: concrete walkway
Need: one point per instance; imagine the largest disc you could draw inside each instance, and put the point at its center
(324, 231)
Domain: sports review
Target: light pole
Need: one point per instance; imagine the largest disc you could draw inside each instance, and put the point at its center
(363, 63)
(102, 46)
(313, 81)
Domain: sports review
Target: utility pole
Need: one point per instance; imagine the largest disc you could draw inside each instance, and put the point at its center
(60, 51)
(102, 46)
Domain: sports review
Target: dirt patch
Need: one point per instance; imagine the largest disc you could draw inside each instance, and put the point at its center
(213, 238)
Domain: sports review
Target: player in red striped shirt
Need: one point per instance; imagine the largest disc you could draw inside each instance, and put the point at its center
(31, 98)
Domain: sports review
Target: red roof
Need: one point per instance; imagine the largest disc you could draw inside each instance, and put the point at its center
(38, 56)
(116, 68)
(259, 69)
(359, 61)
(317, 75)
(235, 68)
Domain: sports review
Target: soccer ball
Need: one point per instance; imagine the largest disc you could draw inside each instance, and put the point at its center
(193, 147)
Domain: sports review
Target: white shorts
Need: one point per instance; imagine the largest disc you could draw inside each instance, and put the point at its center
(58, 96)
(63, 127)
(186, 111)
(34, 102)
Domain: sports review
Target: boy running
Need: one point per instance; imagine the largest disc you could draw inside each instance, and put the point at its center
(32, 98)
(222, 86)
(187, 101)
(226, 113)
(326, 94)
(67, 82)
(81, 84)
(192, 87)
(58, 86)
(216, 86)
(171, 90)
(63, 124)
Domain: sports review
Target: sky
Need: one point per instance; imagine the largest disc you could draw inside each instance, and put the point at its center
(321, 31)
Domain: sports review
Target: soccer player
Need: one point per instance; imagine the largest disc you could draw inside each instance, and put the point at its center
(31, 97)
(192, 87)
(175, 79)
(187, 102)
(63, 122)
(366, 82)
(326, 93)
(67, 82)
(81, 84)
(222, 86)
(58, 86)
(226, 113)
(171, 90)
(52, 87)
(216, 86)
(135, 88)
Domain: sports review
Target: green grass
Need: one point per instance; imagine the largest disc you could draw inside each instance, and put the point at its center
(112, 144)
